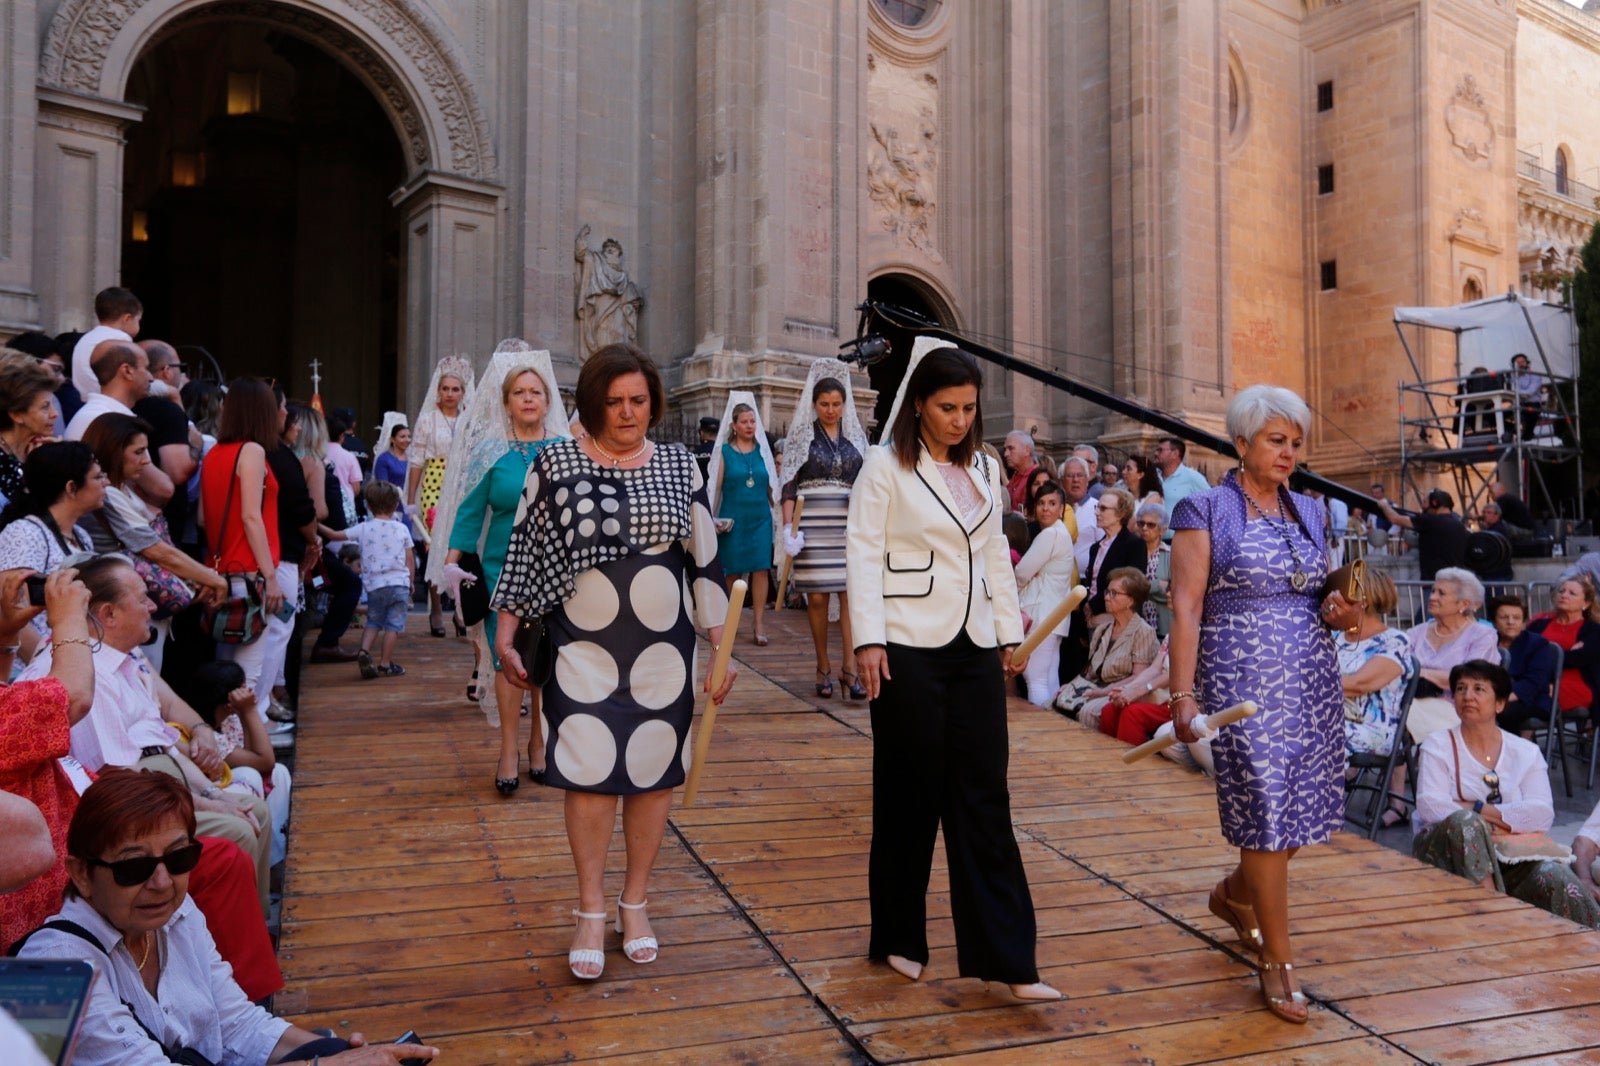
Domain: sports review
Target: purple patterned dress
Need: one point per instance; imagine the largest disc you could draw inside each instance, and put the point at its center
(1279, 773)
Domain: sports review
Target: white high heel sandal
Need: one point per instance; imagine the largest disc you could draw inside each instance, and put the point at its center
(587, 956)
(639, 945)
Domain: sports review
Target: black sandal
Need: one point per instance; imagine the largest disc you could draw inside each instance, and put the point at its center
(472, 689)
(825, 686)
(853, 686)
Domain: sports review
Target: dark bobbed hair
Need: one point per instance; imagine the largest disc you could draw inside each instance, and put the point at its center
(109, 435)
(111, 304)
(123, 804)
(942, 368)
(47, 471)
(39, 345)
(1149, 478)
(1134, 582)
(1483, 670)
(206, 688)
(1507, 600)
(249, 413)
(1047, 488)
(605, 366)
(202, 401)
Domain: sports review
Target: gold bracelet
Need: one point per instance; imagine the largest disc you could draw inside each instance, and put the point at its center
(1178, 697)
(85, 641)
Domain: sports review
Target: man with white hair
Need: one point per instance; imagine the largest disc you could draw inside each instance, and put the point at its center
(1091, 455)
(1082, 519)
(1018, 455)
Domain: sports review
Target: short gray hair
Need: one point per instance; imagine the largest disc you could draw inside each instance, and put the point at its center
(1022, 435)
(1087, 470)
(1152, 510)
(1090, 453)
(1252, 408)
(1468, 587)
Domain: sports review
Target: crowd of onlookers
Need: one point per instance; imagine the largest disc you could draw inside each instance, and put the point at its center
(141, 512)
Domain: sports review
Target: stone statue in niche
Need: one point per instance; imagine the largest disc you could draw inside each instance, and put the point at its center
(608, 300)
(900, 179)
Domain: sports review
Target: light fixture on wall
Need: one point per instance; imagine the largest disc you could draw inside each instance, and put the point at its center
(188, 169)
(139, 227)
(244, 92)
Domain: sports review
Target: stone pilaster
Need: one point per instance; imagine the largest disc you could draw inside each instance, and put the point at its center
(19, 302)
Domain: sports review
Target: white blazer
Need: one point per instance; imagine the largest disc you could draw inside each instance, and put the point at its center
(918, 573)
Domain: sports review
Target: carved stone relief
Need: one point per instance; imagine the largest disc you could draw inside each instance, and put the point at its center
(903, 158)
(1467, 119)
(82, 33)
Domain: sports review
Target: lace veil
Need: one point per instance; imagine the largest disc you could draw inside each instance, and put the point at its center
(482, 436)
(724, 432)
(922, 347)
(457, 366)
(797, 445)
(392, 420)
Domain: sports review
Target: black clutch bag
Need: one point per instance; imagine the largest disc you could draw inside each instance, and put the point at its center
(531, 642)
(474, 603)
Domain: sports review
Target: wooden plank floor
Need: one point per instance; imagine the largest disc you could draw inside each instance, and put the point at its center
(418, 898)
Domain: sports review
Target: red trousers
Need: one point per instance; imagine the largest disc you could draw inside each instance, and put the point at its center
(1135, 723)
(224, 888)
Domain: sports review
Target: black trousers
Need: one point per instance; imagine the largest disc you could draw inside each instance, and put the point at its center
(344, 595)
(939, 755)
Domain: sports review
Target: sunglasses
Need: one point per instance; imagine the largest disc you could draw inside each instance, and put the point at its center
(130, 872)
(1492, 779)
(1146, 523)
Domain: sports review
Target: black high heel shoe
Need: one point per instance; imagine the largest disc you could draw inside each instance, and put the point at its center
(506, 785)
(461, 630)
(472, 688)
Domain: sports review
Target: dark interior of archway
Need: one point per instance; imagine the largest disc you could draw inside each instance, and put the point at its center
(885, 375)
(257, 222)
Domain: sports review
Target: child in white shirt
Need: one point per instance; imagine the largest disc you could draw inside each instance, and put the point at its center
(387, 569)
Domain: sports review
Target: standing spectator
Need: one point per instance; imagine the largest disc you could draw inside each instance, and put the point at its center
(1017, 454)
(118, 312)
(391, 464)
(1441, 535)
(1044, 577)
(175, 444)
(68, 398)
(346, 466)
(335, 513)
(1091, 455)
(123, 371)
(1119, 547)
(1178, 480)
(352, 443)
(27, 415)
(706, 444)
(1143, 482)
(1082, 519)
(1516, 512)
(1377, 520)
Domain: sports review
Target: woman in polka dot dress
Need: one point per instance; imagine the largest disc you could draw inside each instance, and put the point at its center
(615, 547)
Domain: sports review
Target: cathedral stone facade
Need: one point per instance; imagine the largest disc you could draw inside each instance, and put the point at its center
(1166, 198)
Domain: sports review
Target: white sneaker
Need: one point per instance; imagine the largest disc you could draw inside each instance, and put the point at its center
(276, 728)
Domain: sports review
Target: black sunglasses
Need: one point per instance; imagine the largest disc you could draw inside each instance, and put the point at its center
(1492, 779)
(130, 872)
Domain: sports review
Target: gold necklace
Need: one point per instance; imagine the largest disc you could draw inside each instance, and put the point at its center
(617, 461)
(144, 958)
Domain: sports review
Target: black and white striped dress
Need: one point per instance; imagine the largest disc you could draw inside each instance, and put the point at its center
(824, 482)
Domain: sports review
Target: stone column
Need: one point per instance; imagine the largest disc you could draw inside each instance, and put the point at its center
(19, 301)
(448, 274)
(77, 212)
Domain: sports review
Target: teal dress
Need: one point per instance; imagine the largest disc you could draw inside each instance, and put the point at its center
(747, 547)
(497, 494)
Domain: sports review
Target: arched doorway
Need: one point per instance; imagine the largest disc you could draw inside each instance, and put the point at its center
(901, 290)
(257, 215)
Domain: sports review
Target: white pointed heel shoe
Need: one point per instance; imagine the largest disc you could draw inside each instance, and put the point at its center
(641, 949)
(587, 956)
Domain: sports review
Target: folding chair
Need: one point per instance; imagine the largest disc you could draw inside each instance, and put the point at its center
(1551, 732)
(1383, 767)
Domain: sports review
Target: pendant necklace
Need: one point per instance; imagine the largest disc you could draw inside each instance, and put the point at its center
(616, 460)
(1299, 579)
(750, 467)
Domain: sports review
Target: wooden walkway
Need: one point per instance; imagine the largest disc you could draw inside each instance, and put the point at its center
(418, 898)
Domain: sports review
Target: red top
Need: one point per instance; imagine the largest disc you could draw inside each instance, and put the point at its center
(33, 735)
(233, 554)
(1574, 690)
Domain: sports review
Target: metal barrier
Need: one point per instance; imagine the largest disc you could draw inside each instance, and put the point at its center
(1412, 599)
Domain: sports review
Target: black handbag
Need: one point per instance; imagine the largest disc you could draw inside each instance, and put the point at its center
(474, 598)
(531, 642)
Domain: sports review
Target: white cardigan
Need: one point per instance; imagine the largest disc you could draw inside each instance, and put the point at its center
(1525, 802)
(1045, 574)
(918, 574)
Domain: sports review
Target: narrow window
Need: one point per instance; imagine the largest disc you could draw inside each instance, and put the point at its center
(1325, 96)
(1325, 179)
(1330, 275)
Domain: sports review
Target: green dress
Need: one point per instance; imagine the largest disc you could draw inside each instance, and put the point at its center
(496, 494)
(747, 547)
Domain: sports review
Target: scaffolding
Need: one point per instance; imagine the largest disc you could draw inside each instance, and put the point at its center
(1493, 421)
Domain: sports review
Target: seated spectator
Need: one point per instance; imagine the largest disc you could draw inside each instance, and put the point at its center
(127, 725)
(164, 990)
(1586, 855)
(1375, 666)
(1483, 803)
(1137, 711)
(1120, 647)
(1452, 637)
(27, 416)
(1528, 658)
(1574, 628)
(126, 523)
(1150, 522)
(39, 530)
(218, 693)
(1044, 577)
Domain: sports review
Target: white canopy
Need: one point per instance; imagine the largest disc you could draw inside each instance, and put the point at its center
(1489, 332)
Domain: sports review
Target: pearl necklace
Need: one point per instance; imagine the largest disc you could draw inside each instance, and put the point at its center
(616, 460)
